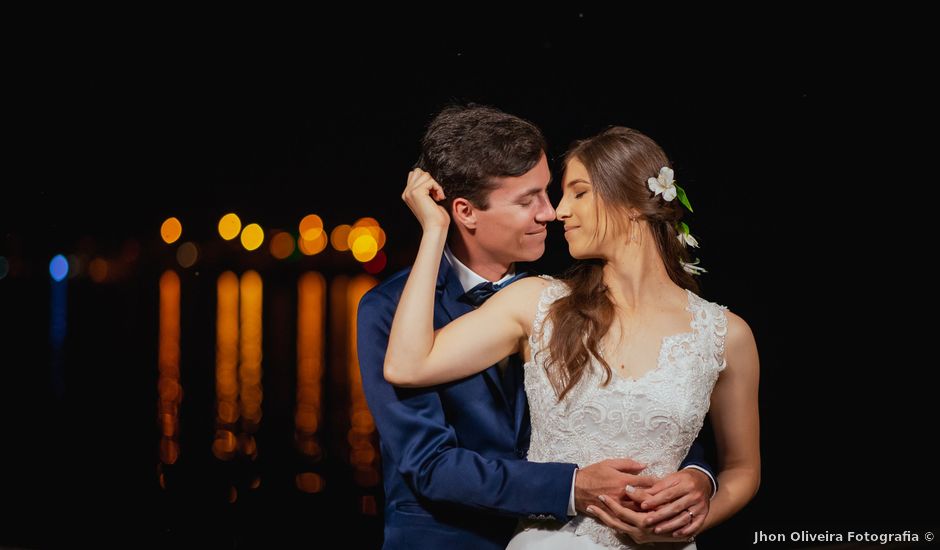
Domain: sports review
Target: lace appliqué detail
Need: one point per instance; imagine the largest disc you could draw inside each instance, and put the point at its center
(653, 419)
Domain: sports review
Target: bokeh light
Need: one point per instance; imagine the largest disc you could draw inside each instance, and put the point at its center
(377, 264)
(282, 245)
(309, 482)
(311, 311)
(374, 229)
(224, 444)
(226, 351)
(364, 247)
(229, 226)
(171, 230)
(58, 267)
(187, 254)
(248, 446)
(169, 390)
(98, 270)
(249, 349)
(252, 236)
(169, 450)
(311, 227)
(315, 246)
(340, 236)
(4, 267)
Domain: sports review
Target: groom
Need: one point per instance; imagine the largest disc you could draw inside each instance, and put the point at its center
(453, 456)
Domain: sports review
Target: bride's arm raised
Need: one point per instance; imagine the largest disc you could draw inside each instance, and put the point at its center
(419, 356)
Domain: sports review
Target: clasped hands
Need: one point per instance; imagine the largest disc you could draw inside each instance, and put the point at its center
(648, 509)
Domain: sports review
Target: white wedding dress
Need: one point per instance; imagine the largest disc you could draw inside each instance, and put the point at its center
(653, 419)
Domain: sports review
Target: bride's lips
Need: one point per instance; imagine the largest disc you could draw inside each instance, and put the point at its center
(567, 229)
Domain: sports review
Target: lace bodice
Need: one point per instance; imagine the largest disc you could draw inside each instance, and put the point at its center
(653, 419)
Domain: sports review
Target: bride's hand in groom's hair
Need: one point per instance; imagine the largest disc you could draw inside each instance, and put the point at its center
(421, 195)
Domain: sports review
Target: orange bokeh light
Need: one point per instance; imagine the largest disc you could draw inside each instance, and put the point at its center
(311, 227)
(340, 237)
(171, 230)
(282, 245)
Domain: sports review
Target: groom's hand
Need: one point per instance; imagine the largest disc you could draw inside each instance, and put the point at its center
(608, 478)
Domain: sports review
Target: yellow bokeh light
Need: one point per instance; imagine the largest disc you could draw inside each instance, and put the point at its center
(373, 227)
(356, 233)
(311, 227)
(364, 248)
(229, 226)
(340, 237)
(171, 230)
(282, 245)
(252, 236)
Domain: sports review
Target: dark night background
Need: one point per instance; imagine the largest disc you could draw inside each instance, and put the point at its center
(808, 205)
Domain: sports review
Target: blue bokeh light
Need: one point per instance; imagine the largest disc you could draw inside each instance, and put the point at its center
(58, 267)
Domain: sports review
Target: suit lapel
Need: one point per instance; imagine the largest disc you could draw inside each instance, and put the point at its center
(451, 291)
(449, 286)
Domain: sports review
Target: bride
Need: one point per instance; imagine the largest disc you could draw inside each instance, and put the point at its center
(622, 357)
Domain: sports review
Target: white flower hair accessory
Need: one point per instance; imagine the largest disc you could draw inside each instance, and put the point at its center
(693, 267)
(664, 183)
(685, 238)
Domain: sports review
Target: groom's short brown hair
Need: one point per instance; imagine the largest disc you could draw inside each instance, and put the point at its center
(466, 146)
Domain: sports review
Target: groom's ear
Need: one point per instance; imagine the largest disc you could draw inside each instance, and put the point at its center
(464, 213)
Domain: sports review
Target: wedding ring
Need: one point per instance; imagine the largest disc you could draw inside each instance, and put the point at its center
(691, 516)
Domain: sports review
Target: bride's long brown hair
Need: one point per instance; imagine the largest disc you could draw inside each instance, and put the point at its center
(619, 161)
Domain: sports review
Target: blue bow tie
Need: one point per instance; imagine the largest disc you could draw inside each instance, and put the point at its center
(482, 292)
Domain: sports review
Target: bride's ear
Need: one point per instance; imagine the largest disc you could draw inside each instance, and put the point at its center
(464, 213)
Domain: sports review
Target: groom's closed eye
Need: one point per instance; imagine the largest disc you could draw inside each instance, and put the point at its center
(527, 198)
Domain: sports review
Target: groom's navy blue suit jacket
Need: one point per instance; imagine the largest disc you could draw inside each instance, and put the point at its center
(453, 456)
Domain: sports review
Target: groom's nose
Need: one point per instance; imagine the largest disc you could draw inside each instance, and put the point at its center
(545, 213)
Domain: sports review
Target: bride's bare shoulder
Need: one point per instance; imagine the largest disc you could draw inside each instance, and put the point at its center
(528, 289)
(739, 332)
(520, 299)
